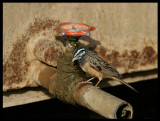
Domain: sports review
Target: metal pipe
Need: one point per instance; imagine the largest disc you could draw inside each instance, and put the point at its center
(102, 102)
(85, 94)
(43, 75)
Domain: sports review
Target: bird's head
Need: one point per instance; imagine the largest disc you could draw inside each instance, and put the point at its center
(78, 54)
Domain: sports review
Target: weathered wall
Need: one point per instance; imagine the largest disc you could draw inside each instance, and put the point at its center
(127, 33)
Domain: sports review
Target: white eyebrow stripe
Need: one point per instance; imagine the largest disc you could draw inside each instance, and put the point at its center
(82, 53)
(78, 52)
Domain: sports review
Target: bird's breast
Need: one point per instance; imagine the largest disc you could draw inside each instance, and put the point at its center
(86, 68)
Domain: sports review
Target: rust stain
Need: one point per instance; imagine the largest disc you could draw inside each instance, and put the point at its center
(133, 59)
(40, 47)
(149, 55)
(13, 70)
(113, 58)
(39, 25)
(129, 59)
(47, 51)
(125, 54)
(102, 51)
(51, 54)
(16, 67)
(44, 34)
(149, 51)
(134, 54)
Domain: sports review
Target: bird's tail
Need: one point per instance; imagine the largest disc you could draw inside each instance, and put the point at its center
(123, 82)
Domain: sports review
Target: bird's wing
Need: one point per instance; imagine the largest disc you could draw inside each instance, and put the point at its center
(102, 66)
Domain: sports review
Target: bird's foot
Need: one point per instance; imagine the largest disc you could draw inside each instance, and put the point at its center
(97, 87)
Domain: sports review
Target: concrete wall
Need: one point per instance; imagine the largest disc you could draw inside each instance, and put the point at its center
(119, 26)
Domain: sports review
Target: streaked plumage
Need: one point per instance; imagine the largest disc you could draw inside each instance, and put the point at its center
(91, 63)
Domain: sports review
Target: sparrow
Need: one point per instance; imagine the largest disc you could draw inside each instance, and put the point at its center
(94, 65)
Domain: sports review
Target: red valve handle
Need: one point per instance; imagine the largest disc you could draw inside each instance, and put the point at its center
(92, 28)
(71, 32)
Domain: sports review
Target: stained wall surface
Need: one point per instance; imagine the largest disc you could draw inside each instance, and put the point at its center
(126, 32)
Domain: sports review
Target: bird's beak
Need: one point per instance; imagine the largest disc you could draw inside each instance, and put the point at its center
(74, 59)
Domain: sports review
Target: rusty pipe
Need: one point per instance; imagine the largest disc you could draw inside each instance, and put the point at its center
(102, 102)
(85, 94)
(43, 75)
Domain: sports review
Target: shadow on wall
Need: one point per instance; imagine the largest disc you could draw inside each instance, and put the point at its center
(85, 41)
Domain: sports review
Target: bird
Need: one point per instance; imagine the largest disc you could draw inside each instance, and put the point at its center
(94, 65)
